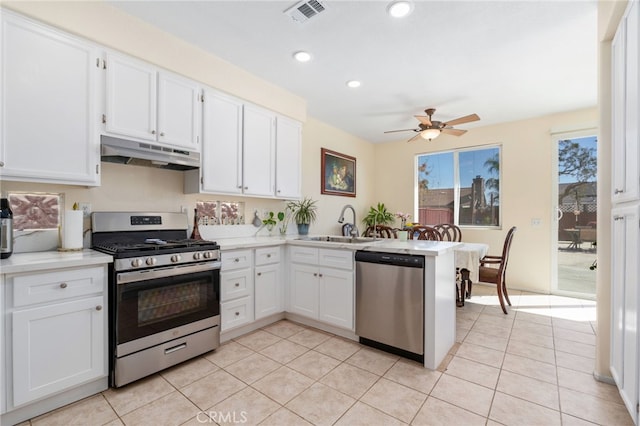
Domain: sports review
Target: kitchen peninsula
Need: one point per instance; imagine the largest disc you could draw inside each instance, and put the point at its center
(320, 285)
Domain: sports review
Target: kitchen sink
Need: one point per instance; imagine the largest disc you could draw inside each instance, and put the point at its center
(339, 239)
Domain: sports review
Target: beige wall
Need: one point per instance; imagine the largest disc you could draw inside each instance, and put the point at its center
(526, 186)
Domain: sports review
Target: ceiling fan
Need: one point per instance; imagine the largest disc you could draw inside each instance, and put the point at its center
(431, 129)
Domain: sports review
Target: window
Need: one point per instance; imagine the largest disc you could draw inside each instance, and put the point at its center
(461, 187)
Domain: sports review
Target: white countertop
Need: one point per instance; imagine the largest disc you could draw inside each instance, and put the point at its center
(417, 247)
(42, 260)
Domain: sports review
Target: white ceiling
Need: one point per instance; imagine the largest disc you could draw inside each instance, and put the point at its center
(504, 60)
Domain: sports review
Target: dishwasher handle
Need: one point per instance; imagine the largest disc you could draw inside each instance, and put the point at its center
(404, 260)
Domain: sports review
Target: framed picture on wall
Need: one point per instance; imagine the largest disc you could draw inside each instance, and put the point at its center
(338, 174)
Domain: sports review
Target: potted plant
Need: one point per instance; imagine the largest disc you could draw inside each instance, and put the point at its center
(304, 213)
(269, 222)
(378, 216)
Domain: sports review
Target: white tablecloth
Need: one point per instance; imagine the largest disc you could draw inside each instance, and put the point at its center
(468, 256)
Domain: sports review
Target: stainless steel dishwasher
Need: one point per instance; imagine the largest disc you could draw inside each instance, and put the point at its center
(390, 302)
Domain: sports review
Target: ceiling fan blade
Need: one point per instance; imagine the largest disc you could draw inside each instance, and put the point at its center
(424, 120)
(465, 119)
(403, 130)
(454, 132)
(414, 138)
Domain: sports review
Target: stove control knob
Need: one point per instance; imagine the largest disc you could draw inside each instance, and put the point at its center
(136, 263)
(208, 255)
(176, 258)
(151, 261)
(197, 255)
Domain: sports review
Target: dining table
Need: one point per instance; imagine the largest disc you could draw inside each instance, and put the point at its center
(467, 261)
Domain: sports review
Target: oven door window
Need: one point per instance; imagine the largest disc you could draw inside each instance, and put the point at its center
(149, 307)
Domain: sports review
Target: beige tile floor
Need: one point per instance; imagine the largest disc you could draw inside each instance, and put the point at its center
(531, 367)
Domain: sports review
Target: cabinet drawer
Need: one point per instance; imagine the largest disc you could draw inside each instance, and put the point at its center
(235, 284)
(53, 286)
(304, 255)
(236, 259)
(236, 313)
(267, 255)
(342, 259)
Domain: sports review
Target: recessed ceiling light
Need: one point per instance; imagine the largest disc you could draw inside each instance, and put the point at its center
(400, 8)
(302, 56)
(353, 83)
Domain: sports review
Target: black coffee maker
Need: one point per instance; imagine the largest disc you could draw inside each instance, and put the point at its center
(6, 229)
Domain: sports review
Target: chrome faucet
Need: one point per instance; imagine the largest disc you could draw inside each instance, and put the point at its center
(354, 229)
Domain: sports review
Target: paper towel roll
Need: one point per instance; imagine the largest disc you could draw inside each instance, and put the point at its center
(72, 230)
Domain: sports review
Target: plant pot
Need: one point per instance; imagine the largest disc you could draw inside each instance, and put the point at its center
(303, 228)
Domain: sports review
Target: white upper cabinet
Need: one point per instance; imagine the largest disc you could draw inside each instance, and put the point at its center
(626, 107)
(145, 103)
(258, 151)
(288, 158)
(47, 105)
(131, 98)
(246, 150)
(222, 146)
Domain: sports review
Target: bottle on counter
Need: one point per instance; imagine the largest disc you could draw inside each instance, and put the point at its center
(6, 229)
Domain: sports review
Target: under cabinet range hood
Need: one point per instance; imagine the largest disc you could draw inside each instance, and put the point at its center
(121, 151)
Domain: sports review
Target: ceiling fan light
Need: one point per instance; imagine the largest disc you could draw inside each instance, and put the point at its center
(400, 8)
(430, 134)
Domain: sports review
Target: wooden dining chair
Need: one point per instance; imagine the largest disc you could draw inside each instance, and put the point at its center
(449, 232)
(424, 232)
(493, 269)
(382, 231)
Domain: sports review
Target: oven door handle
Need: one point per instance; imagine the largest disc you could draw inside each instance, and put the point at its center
(171, 271)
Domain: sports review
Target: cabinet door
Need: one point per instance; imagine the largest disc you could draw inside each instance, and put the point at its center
(235, 284)
(288, 158)
(268, 291)
(57, 346)
(179, 110)
(336, 297)
(303, 290)
(625, 296)
(258, 152)
(626, 107)
(47, 103)
(222, 144)
(131, 98)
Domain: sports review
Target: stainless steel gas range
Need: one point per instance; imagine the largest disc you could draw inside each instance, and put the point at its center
(164, 292)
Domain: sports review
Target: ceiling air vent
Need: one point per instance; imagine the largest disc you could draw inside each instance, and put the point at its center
(305, 10)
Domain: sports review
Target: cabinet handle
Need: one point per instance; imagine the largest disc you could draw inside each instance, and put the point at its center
(320, 275)
(161, 133)
(237, 314)
(246, 187)
(315, 274)
(63, 285)
(259, 273)
(99, 308)
(237, 284)
(237, 259)
(153, 132)
(1, 163)
(239, 186)
(618, 217)
(269, 255)
(618, 191)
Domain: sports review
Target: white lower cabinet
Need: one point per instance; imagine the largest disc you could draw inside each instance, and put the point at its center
(625, 298)
(56, 347)
(56, 332)
(236, 289)
(321, 285)
(268, 284)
